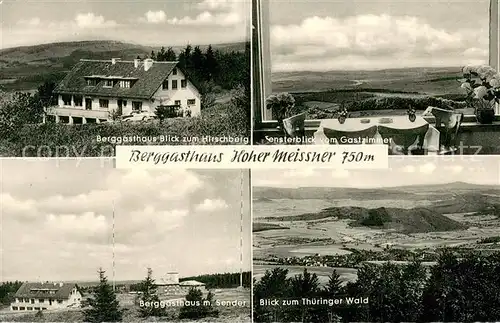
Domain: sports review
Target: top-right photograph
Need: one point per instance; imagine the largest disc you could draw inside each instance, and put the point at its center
(422, 77)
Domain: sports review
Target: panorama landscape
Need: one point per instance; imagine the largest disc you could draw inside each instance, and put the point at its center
(374, 57)
(420, 241)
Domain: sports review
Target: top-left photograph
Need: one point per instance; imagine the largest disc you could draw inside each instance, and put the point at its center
(79, 77)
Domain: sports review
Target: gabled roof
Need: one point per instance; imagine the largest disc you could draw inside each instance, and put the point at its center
(146, 84)
(61, 292)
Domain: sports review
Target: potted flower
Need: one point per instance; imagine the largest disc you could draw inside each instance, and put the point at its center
(343, 114)
(482, 85)
(281, 106)
(412, 114)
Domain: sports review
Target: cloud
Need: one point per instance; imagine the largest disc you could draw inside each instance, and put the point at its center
(210, 205)
(216, 13)
(90, 20)
(427, 168)
(30, 22)
(155, 17)
(371, 42)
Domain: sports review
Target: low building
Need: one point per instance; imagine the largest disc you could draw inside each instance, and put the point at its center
(46, 296)
(101, 90)
(170, 285)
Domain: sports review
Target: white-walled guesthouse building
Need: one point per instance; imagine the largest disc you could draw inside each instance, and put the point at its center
(46, 296)
(96, 90)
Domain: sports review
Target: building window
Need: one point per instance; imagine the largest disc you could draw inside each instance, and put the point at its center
(108, 83)
(41, 300)
(44, 308)
(37, 308)
(183, 84)
(177, 102)
(59, 301)
(125, 84)
(32, 301)
(164, 85)
(66, 100)
(29, 308)
(174, 71)
(191, 101)
(78, 100)
(14, 308)
(22, 308)
(103, 103)
(92, 82)
(174, 84)
(136, 106)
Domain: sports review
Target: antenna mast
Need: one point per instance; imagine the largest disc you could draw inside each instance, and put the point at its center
(241, 228)
(114, 282)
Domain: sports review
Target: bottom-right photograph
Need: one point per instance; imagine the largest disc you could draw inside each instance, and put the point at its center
(419, 241)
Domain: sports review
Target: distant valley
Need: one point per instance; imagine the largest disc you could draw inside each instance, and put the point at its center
(25, 68)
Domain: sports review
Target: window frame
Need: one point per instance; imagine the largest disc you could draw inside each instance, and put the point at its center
(183, 83)
(191, 100)
(102, 105)
(164, 85)
(176, 85)
(261, 60)
(137, 103)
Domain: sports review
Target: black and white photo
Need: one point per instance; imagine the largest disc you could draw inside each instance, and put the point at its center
(84, 242)
(396, 72)
(416, 242)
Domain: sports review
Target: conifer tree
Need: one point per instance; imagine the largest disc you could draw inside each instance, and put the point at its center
(104, 307)
(149, 298)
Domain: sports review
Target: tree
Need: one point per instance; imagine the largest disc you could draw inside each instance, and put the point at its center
(170, 55)
(149, 300)
(22, 109)
(104, 307)
(46, 94)
(196, 306)
(211, 64)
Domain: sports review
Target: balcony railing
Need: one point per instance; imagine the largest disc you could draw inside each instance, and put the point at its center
(77, 112)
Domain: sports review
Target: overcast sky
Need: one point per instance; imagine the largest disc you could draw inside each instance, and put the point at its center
(375, 34)
(401, 172)
(145, 22)
(57, 221)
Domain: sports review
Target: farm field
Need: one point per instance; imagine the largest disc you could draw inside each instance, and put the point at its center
(289, 225)
(371, 93)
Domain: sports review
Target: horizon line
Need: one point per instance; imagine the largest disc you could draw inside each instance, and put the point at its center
(118, 41)
(375, 187)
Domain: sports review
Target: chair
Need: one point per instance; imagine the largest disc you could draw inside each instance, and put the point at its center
(351, 137)
(404, 141)
(450, 121)
(294, 126)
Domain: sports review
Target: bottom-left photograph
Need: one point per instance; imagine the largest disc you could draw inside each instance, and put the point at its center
(82, 241)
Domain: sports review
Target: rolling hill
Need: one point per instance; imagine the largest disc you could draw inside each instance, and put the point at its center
(26, 67)
(400, 192)
(416, 220)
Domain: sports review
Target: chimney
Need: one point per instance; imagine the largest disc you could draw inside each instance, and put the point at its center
(148, 62)
(137, 62)
(114, 60)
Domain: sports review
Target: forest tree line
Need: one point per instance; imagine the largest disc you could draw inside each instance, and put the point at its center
(456, 289)
(210, 68)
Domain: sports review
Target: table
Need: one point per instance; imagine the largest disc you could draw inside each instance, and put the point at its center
(398, 132)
